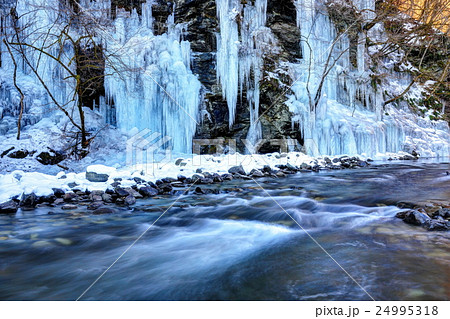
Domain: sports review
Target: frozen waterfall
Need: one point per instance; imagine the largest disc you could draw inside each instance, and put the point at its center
(154, 87)
(344, 114)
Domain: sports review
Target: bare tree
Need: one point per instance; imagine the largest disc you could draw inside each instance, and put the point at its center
(70, 42)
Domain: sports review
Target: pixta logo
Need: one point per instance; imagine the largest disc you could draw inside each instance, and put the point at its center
(148, 151)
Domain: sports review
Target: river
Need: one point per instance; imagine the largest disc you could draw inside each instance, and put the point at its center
(240, 244)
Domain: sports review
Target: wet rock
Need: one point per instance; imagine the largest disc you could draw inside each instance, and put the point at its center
(69, 207)
(58, 192)
(181, 178)
(196, 178)
(291, 168)
(305, 166)
(169, 180)
(362, 164)
(206, 181)
(237, 170)
(165, 188)
(47, 199)
(414, 217)
(437, 225)
(69, 196)
(29, 200)
(130, 200)
(217, 178)
(256, 173)
(96, 198)
(240, 176)
(227, 177)
(58, 201)
(198, 191)
(107, 198)
(133, 192)
(96, 195)
(103, 211)
(408, 157)
(177, 184)
(9, 207)
(443, 212)
(280, 174)
(95, 205)
(148, 191)
(121, 192)
(266, 169)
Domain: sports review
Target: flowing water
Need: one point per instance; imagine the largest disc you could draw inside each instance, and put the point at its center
(241, 245)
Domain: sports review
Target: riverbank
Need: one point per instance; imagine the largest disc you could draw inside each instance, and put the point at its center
(101, 188)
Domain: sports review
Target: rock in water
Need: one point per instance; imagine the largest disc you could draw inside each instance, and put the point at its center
(29, 200)
(121, 192)
(434, 224)
(416, 218)
(130, 200)
(148, 191)
(10, 207)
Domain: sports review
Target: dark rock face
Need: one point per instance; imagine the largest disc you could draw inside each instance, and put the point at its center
(10, 207)
(202, 23)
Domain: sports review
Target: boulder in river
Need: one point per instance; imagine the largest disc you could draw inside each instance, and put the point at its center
(416, 218)
(130, 200)
(29, 200)
(437, 224)
(10, 207)
(148, 191)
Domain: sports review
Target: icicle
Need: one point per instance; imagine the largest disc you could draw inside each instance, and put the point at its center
(156, 90)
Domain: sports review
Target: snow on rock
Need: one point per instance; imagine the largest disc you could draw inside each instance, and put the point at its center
(16, 183)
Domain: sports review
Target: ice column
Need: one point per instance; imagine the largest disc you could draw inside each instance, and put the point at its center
(155, 88)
